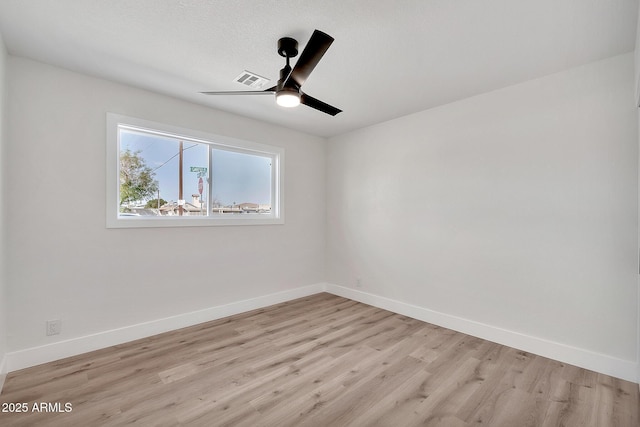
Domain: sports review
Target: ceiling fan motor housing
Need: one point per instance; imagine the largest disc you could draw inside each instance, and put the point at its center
(287, 91)
(283, 82)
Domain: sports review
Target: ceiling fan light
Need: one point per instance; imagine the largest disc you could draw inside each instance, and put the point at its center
(288, 99)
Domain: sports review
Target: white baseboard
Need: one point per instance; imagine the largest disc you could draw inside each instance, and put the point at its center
(602, 363)
(619, 368)
(47, 353)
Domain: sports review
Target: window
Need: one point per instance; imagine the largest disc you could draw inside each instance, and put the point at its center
(163, 176)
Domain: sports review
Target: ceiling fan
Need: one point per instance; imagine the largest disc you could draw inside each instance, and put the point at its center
(287, 91)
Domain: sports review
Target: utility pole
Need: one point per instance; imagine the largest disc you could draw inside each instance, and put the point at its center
(180, 198)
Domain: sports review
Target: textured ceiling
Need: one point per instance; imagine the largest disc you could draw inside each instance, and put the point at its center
(389, 58)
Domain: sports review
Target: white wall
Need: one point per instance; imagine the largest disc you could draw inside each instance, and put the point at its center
(637, 88)
(516, 210)
(638, 247)
(63, 262)
(3, 283)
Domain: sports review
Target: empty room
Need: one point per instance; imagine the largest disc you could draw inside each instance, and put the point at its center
(335, 213)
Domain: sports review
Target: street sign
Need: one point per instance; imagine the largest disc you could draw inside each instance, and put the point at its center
(202, 171)
(200, 186)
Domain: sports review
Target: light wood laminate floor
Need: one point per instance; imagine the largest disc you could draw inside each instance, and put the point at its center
(318, 361)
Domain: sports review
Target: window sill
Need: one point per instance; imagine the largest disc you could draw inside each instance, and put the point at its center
(160, 222)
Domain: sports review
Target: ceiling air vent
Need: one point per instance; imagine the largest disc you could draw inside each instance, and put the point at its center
(252, 80)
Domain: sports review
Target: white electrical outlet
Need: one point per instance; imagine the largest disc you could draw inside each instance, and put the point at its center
(54, 327)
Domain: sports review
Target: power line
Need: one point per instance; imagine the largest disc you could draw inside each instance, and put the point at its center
(172, 157)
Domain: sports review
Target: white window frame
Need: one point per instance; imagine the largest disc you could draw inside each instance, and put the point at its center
(114, 220)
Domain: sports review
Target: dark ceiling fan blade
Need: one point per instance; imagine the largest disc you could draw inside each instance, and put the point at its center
(310, 56)
(312, 102)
